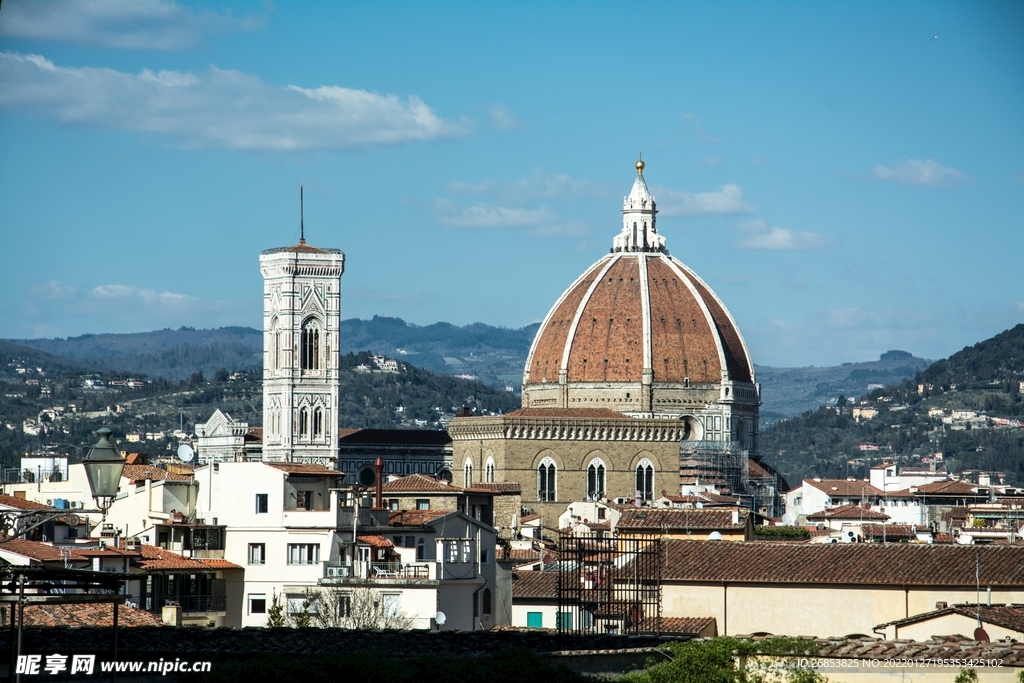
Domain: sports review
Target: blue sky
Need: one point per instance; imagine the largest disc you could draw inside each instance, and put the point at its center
(848, 177)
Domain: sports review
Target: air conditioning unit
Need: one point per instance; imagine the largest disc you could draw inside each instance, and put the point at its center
(75, 505)
(336, 571)
(50, 502)
(132, 544)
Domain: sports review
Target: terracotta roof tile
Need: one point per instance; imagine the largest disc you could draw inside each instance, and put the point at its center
(853, 563)
(542, 584)
(375, 541)
(220, 564)
(414, 517)
(844, 488)
(850, 511)
(1007, 616)
(950, 488)
(660, 518)
(157, 559)
(682, 625)
(416, 483)
(22, 504)
(892, 531)
(88, 615)
(41, 552)
(149, 472)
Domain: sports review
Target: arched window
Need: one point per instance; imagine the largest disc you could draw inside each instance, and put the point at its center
(318, 422)
(275, 346)
(421, 550)
(303, 422)
(486, 600)
(310, 347)
(546, 491)
(645, 480)
(489, 471)
(595, 480)
(468, 472)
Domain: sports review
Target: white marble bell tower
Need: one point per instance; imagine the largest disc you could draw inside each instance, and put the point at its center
(301, 350)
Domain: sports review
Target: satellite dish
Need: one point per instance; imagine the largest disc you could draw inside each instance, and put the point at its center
(185, 453)
(440, 618)
(548, 559)
(981, 635)
(715, 536)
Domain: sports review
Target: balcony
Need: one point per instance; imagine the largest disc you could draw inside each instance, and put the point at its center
(199, 604)
(360, 572)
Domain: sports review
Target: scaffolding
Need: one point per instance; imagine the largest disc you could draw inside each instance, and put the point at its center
(609, 585)
(720, 464)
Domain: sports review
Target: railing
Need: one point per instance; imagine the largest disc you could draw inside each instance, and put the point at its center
(191, 604)
(375, 570)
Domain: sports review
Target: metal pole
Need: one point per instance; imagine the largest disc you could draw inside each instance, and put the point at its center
(113, 670)
(14, 652)
(21, 620)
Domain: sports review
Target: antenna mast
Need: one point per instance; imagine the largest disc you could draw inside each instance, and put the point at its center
(302, 218)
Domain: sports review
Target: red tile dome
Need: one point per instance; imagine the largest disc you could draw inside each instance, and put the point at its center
(636, 325)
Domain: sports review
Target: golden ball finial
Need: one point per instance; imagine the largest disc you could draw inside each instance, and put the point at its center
(640, 163)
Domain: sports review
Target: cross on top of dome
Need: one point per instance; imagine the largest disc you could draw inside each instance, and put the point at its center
(639, 212)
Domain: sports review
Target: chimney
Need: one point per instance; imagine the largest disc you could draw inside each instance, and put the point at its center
(378, 469)
(735, 516)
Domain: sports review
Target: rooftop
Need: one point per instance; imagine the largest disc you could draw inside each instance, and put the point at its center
(21, 503)
(844, 487)
(151, 473)
(700, 519)
(844, 563)
(850, 511)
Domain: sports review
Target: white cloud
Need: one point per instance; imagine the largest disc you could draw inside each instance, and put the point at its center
(916, 172)
(52, 291)
(697, 128)
(126, 24)
(538, 185)
(217, 108)
(489, 215)
(726, 201)
(763, 236)
(503, 118)
(55, 308)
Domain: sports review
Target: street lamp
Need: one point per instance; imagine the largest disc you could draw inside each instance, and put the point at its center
(103, 467)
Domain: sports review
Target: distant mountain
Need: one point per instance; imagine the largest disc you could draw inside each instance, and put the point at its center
(790, 391)
(914, 421)
(494, 355)
(171, 354)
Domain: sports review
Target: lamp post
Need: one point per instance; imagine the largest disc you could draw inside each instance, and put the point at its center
(103, 467)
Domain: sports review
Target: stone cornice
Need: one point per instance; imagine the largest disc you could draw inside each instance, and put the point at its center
(565, 429)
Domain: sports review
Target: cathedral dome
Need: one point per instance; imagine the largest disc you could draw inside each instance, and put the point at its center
(638, 332)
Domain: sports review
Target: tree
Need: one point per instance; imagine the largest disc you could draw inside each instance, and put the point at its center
(222, 375)
(359, 608)
(275, 615)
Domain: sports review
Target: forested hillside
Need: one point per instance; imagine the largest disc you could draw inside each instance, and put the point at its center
(963, 412)
(51, 404)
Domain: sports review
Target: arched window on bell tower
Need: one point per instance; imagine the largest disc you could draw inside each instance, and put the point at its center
(318, 423)
(310, 345)
(303, 422)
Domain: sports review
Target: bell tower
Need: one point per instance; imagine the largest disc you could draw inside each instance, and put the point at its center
(301, 352)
